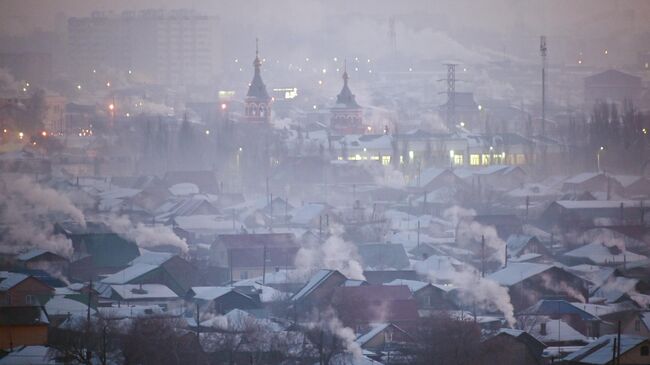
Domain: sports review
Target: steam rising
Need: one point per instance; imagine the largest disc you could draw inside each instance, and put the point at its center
(147, 236)
(335, 254)
(28, 211)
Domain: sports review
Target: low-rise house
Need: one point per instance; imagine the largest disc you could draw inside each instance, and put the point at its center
(379, 277)
(384, 337)
(429, 297)
(383, 256)
(633, 350)
(510, 347)
(592, 182)
(557, 332)
(221, 299)
(637, 324)
(141, 294)
(527, 283)
(252, 255)
(582, 321)
(520, 246)
(634, 186)
(318, 291)
(97, 249)
(602, 253)
(23, 326)
(570, 214)
(360, 306)
(18, 289)
(433, 178)
(158, 268)
(39, 259)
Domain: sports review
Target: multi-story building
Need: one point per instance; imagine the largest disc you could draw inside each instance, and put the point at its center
(170, 47)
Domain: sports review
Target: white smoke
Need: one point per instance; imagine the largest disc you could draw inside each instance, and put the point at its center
(28, 211)
(146, 236)
(484, 293)
(334, 254)
(468, 232)
(328, 321)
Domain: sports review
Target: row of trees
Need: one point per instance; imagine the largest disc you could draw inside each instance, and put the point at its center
(167, 340)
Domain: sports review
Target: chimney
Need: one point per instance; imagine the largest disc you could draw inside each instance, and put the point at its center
(542, 329)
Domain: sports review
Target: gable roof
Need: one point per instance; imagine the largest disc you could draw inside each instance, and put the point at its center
(518, 271)
(546, 307)
(383, 256)
(10, 279)
(600, 351)
(313, 283)
(210, 292)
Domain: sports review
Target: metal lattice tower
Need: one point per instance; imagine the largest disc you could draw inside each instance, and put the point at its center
(542, 51)
(392, 34)
(451, 95)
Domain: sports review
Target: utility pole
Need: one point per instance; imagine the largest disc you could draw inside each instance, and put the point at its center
(482, 256)
(542, 51)
(264, 267)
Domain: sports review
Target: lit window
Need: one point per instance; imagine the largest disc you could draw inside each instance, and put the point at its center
(411, 155)
(385, 160)
(474, 160)
(485, 160)
(458, 159)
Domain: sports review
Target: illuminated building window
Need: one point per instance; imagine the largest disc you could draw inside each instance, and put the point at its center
(458, 160)
(374, 158)
(385, 160)
(485, 160)
(474, 160)
(401, 159)
(411, 155)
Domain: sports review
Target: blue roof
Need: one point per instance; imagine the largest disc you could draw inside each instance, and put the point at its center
(556, 307)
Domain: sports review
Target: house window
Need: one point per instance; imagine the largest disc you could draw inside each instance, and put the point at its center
(474, 160)
(385, 160)
(458, 160)
(637, 325)
(388, 336)
(645, 351)
(485, 160)
(30, 300)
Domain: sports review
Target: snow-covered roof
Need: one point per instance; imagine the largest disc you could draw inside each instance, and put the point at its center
(184, 189)
(31, 254)
(582, 177)
(597, 204)
(210, 292)
(517, 271)
(414, 285)
(130, 273)
(10, 279)
(441, 268)
(600, 253)
(28, 355)
(376, 329)
(616, 288)
(600, 351)
(267, 294)
(557, 331)
(152, 258)
(149, 291)
(60, 305)
(313, 282)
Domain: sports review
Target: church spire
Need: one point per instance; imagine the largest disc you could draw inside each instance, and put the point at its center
(257, 89)
(345, 97)
(345, 72)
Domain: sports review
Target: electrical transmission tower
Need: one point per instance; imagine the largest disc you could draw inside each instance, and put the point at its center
(542, 51)
(392, 34)
(451, 95)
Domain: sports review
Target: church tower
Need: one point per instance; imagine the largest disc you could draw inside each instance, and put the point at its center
(258, 102)
(347, 115)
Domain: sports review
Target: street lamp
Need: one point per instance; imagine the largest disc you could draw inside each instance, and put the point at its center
(602, 148)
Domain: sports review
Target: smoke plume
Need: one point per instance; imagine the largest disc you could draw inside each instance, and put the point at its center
(147, 236)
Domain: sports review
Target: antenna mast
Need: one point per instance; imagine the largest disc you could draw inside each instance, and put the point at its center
(542, 51)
